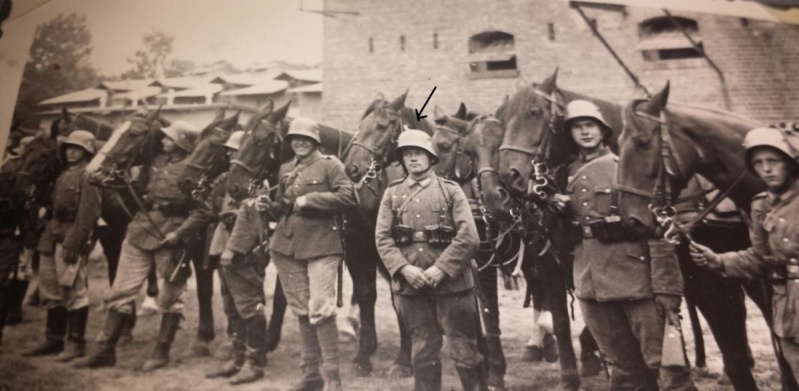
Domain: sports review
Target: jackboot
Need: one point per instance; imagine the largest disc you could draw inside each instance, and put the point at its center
(311, 355)
(4, 291)
(105, 356)
(427, 377)
(160, 356)
(55, 331)
(256, 352)
(13, 300)
(327, 333)
(237, 329)
(127, 330)
(473, 379)
(76, 333)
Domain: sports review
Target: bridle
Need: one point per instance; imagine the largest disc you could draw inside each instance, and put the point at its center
(380, 153)
(210, 172)
(258, 174)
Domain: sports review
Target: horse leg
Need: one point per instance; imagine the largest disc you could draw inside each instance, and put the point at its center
(279, 305)
(699, 338)
(362, 262)
(204, 273)
(557, 302)
(487, 278)
(535, 292)
(721, 301)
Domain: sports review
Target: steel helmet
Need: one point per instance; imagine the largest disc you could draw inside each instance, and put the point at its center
(784, 141)
(183, 133)
(234, 141)
(81, 138)
(417, 139)
(305, 127)
(579, 108)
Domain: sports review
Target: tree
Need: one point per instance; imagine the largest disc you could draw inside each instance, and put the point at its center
(58, 62)
(153, 61)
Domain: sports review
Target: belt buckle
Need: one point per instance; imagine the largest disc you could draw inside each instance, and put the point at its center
(418, 235)
(587, 232)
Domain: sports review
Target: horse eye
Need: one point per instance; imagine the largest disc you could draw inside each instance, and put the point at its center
(535, 111)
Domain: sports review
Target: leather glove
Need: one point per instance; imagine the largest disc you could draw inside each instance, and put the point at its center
(668, 306)
(70, 257)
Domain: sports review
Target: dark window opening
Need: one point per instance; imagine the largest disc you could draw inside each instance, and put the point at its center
(663, 40)
(491, 41)
(435, 40)
(371, 45)
(551, 31)
(402, 43)
(492, 55)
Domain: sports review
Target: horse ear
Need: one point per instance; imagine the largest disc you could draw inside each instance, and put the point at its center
(439, 114)
(551, 83)
(462, 112)
(154, 115)
(500, 112)
(267, 108)
(399, 103)
(219, 115)
(658, 102)
(279, 114)
(64, 111)
(521, 83)
(380, 96)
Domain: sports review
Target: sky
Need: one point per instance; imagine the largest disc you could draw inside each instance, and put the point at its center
(243, 32)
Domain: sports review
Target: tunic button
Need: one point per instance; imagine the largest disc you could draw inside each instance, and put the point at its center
(421, 249)
(792, 260)
(643, 258)
(417, 200)
(584, 177)
(781, 220)
(584, 190)
(785, 240)
(587, 217)
(418, 216)
(585, 204)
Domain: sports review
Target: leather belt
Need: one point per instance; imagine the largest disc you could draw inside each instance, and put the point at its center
(587, 234)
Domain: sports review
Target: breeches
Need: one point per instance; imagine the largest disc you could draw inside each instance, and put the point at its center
(790, 350)
(630, 335)
(51, 267)
(309, 284)
(243, 279)
(427, 317)
(134, 265)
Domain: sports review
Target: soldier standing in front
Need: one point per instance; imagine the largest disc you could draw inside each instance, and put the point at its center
(627, 287)
(307, 249)
(427, 238)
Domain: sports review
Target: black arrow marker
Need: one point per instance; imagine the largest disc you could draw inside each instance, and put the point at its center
(418, 112)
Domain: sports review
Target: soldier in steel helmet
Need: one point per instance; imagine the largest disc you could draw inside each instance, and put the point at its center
(66, 298)
(628, 288)
(156, 236)
(771, 154)
(427, 238)
(307, 249)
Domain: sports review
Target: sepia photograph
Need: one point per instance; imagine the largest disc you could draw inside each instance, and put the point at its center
(399, 195)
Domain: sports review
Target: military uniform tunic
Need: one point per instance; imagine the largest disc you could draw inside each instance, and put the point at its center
(616, 283)
(775, 254)
(451, 307)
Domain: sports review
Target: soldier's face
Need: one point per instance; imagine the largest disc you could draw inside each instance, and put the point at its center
(169, 144)
(586, 133)
(771, 167)
(302, 146)
(75, 154)
(416, 160)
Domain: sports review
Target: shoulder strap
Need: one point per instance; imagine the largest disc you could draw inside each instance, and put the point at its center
(589, 164)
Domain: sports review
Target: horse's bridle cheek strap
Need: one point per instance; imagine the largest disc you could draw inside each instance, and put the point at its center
(526, 151)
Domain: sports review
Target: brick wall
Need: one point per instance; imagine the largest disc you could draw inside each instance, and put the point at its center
(758, 60)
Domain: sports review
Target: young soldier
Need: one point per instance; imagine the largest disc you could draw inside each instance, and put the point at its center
(626, 288)
(306, 248)
(771, 155)
(61, 248)
(426, 237)
(144, 246)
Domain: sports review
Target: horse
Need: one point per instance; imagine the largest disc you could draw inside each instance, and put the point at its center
(205, 180)
(262, 152)
(68, 122)
(699, 141)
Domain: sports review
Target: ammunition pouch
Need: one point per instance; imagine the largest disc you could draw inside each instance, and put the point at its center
(402, 234)
(438, 234)
(173, 209)
(67, 215)
(783, 273)
(607, 230)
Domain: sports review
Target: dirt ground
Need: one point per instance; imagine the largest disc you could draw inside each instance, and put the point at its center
(17, 373)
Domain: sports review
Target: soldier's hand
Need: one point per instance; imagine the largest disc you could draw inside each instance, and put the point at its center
(69, 256)
(415, 276)
(170, 239)
(227, 257)
(669, 307)
(703, 256)
(300, 202)
(435, 275)
(558, 202)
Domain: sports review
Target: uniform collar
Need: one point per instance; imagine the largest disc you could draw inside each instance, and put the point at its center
(314, 156)
(83, 163)
(424, 182)
(788, 195)
(601, 151)
(174, 158)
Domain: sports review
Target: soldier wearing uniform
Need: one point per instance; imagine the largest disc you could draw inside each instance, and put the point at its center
(157, 236)
(771, 155)
(427, 238)
(627, 288)
(61, 247)
(306, 248)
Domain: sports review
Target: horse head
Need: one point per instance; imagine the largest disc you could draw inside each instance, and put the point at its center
(450, 141)
(486, 134)
(69, 122)
(530, 114)
(377, 135)
(136, 145)
(209, 157)
(261, 151)
(42, 161)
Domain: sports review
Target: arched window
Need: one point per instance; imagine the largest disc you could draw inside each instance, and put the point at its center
(492, 54)
(661, 40)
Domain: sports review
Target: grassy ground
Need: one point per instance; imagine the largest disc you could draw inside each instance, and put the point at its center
(17, 373)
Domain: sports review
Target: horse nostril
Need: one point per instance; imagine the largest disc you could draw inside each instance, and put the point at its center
(353, 170)
(234, 189)
(515, 174)
(504, 196)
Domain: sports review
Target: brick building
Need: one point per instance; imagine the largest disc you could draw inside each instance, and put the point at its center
(477, 51)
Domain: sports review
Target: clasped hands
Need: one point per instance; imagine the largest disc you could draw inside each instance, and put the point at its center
(420, 278)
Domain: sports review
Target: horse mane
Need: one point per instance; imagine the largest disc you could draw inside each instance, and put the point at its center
(726, 119)
(408, 116)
